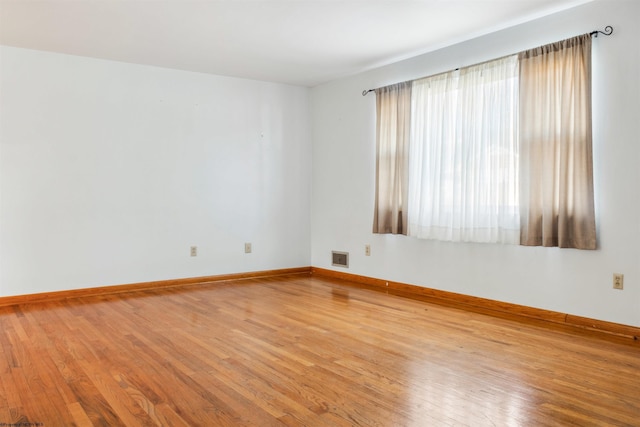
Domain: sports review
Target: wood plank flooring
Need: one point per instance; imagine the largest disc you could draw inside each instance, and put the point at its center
(302, 351)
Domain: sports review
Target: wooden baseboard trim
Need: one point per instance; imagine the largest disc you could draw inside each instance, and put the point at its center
(116, 289)
(436, 296)
(483, 305)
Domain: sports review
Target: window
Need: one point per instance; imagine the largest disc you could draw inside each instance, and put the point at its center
(497, 152)
(463, 155)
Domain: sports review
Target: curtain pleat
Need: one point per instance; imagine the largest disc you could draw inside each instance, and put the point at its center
(393, 108)
(556, 166)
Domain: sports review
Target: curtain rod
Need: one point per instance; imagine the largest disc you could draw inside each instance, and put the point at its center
(608, 30)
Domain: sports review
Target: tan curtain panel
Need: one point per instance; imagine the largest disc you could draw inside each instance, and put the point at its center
(556, 172)
(393, 108)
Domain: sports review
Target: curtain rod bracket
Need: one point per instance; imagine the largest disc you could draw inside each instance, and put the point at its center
(366, 91)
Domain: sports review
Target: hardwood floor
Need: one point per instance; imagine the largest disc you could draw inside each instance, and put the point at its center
(302, 350)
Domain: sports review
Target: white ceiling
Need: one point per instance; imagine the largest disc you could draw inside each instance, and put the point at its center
(300, 42)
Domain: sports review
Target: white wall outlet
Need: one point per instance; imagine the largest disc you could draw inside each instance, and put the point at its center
(247, 248)
(194, 251)
(618, 281)
(367, 250)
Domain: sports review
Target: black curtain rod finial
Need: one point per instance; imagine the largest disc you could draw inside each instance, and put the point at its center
(608, 30)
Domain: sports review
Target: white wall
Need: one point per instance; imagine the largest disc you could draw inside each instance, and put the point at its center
(564, 280)
(109, 172)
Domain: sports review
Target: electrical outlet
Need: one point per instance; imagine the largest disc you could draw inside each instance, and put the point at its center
(247, 248)
(618, 281)
(367, 250)
(194, 251)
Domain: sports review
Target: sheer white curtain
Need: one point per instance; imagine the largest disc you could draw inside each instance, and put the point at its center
(463, 155)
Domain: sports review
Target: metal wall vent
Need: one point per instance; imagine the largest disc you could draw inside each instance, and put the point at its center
(340, 259)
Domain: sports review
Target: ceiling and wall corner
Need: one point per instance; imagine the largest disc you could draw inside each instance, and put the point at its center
(299, 42)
